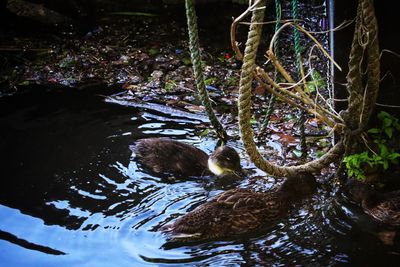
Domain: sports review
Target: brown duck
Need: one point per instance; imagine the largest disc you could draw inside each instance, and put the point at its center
(383, 207)
(240, 211)
(167, 156)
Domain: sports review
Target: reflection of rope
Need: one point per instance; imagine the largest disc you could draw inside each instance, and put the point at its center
(197, 68)
(297, 47)
(246, 131)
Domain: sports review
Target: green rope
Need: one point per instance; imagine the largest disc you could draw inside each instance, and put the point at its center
(270, 108)
(197, 68)
(297, 47)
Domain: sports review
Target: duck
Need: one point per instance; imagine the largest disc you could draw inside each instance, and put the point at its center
(382, 207)
(167, 156)
(240, 211)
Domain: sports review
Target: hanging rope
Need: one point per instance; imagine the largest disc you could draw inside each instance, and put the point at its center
(299, 64)
(270, 108)
(362, 92)
(365, 46)
(245, 102)
(372, 88)
(197, 68)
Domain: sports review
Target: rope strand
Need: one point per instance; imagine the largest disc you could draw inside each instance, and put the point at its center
(198, 70)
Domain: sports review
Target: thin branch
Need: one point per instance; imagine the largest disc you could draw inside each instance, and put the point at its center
(262, 74)
(271, 45)
(269, 22)
(341, 26)
(306, 99)
(234, 45)
(386, 105)
(388, 51)
(318, 94)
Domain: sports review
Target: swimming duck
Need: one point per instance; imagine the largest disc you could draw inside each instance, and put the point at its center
(240, 211)
(167, 156)
(383, 207)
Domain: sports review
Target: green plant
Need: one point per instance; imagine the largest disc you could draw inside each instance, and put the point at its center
(389, 125)
(67, 62)
(169, 85)
(153, 51)
(232, 80)
(186, 60)
(316, 82)
(383, 155)
(210, 81)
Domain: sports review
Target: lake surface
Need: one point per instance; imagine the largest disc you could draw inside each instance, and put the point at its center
(71, 194)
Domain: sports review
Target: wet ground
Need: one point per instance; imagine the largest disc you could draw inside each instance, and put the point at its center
(147, 56)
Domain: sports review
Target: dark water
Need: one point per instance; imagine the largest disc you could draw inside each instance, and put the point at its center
(72, 195)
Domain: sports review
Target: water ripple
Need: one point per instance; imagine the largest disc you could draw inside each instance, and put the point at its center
(71, 190)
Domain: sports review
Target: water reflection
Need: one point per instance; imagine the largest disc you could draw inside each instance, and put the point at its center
(72, 195)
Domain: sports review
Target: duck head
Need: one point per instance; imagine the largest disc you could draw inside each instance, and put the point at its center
(225, 160)
(358, 191)
(300, 185)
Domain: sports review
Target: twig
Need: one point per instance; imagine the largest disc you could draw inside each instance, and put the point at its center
(386, 105)
(308, 34)
(318, 94)
(234, 45)
(261, 73)
(305, 98)
(388, 51)
(341, 26)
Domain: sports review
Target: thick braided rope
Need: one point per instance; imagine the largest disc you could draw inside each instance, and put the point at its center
(197, 68)
(365, 37)
(366, 26)
(355, 88)
(372, 88)
(246, 77)
(353, 78)
(297, 48)
(244, 104)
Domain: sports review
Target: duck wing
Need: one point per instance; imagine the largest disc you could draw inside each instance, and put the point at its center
(233, 212)
(388, 211)
(164, 155)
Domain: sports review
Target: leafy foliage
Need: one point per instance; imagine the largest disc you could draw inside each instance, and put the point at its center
(316, 82)
(210, 81)
(170, 85)
(384, 155)
(153, 51)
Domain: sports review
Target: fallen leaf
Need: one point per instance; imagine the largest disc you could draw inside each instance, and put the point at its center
(128, 86)
(194, 108)
(274, 117)
(287, 139)
(259, 90)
